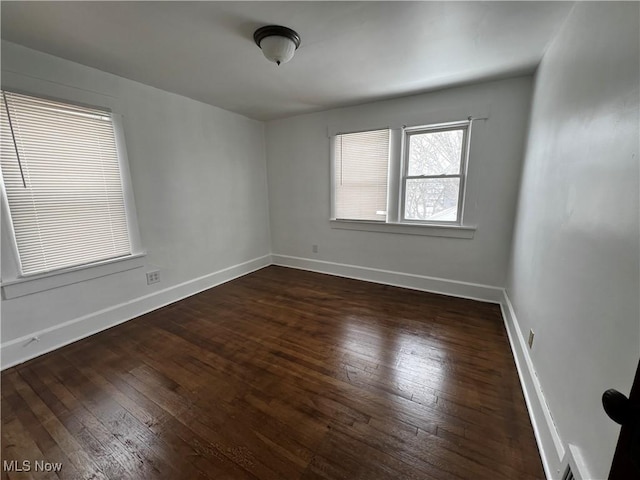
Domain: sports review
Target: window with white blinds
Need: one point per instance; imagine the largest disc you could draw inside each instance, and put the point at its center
(361, 164)
(62, 181)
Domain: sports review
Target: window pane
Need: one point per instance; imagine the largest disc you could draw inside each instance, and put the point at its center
(360, 177)
(435, 153)
(433, 199)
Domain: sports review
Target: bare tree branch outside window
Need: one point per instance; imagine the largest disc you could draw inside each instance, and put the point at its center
(430, 155)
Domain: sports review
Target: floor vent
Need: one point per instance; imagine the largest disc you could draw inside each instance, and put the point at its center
(568, 474)
(575, 468)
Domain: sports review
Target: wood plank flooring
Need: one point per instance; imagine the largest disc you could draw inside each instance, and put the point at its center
(281, 374)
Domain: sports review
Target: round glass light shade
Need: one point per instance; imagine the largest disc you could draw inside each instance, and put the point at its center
(278, 49)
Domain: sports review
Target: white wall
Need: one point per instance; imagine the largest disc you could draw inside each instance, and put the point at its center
(298, 172)
(574, 275)
(199, 181)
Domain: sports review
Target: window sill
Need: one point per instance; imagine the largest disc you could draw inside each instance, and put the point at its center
(20, 287)
(451, 231)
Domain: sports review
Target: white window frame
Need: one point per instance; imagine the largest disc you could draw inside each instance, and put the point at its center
(398, 167)
(14, 283)
(464, 156)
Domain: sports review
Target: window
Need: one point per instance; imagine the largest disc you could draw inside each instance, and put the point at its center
(411, 176)
(360, 175)
(63, 184)
(432, 184)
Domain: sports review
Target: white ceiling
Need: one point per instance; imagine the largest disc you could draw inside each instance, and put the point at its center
(351, 52)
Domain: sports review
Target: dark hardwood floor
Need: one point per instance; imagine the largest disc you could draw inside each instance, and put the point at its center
(281, 374)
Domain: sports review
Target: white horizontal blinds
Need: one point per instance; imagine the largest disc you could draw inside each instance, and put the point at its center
(72, 210)
(361, 171)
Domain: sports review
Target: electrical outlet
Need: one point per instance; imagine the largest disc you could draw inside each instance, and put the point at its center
(530, 341)
(314, 248)
(153, 277)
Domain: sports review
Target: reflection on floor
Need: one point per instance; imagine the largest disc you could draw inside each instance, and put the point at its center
(281, 374)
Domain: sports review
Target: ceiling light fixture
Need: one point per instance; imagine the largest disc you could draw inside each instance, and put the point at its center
(278, 43)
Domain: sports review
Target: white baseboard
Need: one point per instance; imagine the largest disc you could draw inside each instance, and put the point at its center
(25, 348)
(474, 291)
(548, 439)
(550, 445)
